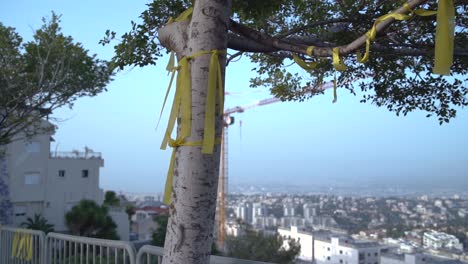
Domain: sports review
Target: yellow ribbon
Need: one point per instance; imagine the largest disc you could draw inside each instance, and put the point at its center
(170, 173)
(182, 105)
(337, 61)
(183, 16)
(215, 82)
(371, 34)
(444, 37)
(22, 247)
(419, 12)
(305, 65)
(15, 243)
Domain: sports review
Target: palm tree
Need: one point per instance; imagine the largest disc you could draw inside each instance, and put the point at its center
(38, 223)
(91, 220)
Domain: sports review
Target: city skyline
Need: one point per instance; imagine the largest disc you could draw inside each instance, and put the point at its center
(304, 143)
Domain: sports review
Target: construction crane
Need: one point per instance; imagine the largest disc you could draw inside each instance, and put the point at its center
(223, 170)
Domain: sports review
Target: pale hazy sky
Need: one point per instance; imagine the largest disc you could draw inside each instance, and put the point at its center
(284, 143)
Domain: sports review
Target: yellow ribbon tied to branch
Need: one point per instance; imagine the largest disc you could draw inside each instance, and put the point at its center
(303, 64)
(182, 106)
(339, 66)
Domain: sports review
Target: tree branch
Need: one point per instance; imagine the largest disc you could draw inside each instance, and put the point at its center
(288, 45)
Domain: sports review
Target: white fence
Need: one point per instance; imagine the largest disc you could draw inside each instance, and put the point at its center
(25, 246)
(19, 245)
(153, 255)
(62, 248)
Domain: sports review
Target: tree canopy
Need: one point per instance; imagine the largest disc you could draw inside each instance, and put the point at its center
(111, 199)
(398, 74)
(38, 76)
(91, 220)
(261, 247)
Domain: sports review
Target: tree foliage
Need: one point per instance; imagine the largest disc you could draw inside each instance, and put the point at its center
(41, 75)
(261, 247)
(110, 199)
(159, 235)
(397, 76)
(38, 222)
(91, 220)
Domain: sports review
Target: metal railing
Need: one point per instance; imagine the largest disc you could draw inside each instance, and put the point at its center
(154, 255)
(25, 246)
(150, 255)
(62, 249)
(75, 155)
(19, 245)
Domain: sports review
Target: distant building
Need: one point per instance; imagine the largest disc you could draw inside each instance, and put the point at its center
(288, 209)
(259, 210)
(51, 183)
(418, 258)
(439, 240)
(244, 212)
(310, 210)
(332, 248)
(323, 247)
(305, 240)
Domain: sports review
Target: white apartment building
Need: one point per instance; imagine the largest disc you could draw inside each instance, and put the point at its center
(50, 183)
(337, 249)
(437, 240)
(305, 239)
(324, 247)
(417, 258)
(244, 212)
(259, 210)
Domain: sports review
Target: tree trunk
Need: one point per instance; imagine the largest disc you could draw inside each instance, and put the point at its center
(6, 207)
(190, 229)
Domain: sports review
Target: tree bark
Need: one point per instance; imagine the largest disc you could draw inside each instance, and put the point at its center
(192, 210)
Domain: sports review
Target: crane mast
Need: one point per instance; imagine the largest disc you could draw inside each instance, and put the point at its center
(223, 168)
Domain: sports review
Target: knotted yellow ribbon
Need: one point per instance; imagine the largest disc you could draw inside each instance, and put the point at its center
(444, 37)
(339, 66)
(372, 33)
(170, 173)
(183, 16)
(337, 60)
(182, 105)
(305, 65)
(183, 98)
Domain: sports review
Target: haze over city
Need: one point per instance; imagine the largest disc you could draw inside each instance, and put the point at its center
(310, 143)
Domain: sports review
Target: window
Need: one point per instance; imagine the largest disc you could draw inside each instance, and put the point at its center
(61, 173)
(328, 258)
(341, 261)
(84, 173)
(341, 251)
(328, 249)
(33, 147)
(32, 178)
(368, 254)
(362, 256)
(376, 254)
(19, 210)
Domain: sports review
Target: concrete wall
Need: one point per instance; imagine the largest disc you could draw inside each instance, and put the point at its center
(37, 188)
(123, 225)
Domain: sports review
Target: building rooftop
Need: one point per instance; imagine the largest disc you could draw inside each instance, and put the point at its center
(75, 155)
